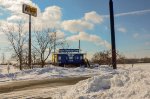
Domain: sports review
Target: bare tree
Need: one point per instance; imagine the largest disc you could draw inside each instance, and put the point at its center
(120, 58)
(45, 42)
(17, 38)
(35, 56)
(3, 58)
(25, 56)
(102, 58)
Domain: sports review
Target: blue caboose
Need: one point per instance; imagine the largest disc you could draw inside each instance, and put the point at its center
(68, 57)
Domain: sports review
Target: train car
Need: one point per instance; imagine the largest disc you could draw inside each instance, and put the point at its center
(68, 57)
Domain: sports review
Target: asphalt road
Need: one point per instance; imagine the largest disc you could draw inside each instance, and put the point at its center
(31, 84)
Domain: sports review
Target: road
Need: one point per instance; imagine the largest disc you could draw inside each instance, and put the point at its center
(32, 84)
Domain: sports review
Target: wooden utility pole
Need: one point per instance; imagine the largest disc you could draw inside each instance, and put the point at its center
(54, 46)
(29, 59)
(112, 34)
(79, 47)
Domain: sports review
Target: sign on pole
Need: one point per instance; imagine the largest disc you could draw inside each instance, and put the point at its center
(27, 9)
(31, 11)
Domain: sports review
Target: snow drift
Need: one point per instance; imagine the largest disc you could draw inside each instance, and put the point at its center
(49, 72)
(122, 84)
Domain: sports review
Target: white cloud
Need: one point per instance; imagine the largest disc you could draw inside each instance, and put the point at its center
(147, 43)
(133, 13)
(51, 17)
(141, 36)
(1, 33)
(93, 17)
(122, 29)
(53, 13)
(15, 6)
(136, 35)
(9, 25)
(1, 14)
(85, 23)
(129, 13)
(60, 34)
(91, 38)
(145, 36)
(2, 23)
(14, 18)
(76, 25)
(4, 42)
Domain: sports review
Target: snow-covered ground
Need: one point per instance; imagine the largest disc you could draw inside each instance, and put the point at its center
(3, 69)
(48, 72)
(105, 83)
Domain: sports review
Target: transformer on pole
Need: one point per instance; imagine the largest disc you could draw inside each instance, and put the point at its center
(112, 34)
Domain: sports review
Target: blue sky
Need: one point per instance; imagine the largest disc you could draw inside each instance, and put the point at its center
(89, 21)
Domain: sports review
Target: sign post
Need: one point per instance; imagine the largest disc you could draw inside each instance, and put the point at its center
(27, 9)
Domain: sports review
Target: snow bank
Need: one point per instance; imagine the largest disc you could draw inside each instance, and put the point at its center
(120, 84)
(93, 84)
(48, 73)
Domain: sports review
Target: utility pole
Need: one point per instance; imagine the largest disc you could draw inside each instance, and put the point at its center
(112, 34)
(79, 46)
(29, 59)
(54, 46)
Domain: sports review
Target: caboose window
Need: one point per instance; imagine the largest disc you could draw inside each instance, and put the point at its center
(59, 58)
(70, 57)
(77, 57)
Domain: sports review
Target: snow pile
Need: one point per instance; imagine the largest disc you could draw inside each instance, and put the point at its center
(122, 84)
(90, 85)
(48, 72)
